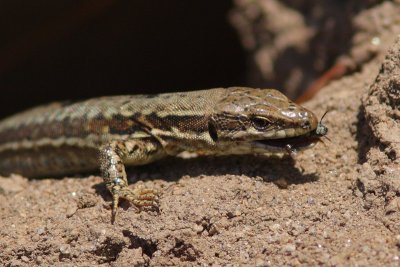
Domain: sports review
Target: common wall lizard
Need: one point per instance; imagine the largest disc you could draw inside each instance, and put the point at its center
(110, 132)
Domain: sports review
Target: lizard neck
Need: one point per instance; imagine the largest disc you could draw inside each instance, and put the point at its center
(180, 121)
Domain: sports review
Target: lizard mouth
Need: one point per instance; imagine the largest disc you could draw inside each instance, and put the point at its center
(290, 144)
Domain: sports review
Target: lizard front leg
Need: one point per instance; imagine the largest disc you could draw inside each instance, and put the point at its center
(113, 155)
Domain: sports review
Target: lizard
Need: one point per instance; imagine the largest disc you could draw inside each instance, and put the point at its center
(113, 131)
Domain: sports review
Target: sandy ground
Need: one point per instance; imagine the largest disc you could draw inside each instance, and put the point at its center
(337, 204)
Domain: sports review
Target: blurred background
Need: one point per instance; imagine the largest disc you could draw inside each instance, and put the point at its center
(71, 50)
(58, 50)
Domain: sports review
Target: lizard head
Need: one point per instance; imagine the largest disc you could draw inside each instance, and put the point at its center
(263, 120)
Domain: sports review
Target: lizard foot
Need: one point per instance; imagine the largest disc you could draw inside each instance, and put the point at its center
(139, 196)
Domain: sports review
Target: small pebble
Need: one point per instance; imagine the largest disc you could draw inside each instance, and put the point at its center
(289, 248)
(65, 249)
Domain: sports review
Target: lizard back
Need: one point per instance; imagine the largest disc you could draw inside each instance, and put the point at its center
(62, 138)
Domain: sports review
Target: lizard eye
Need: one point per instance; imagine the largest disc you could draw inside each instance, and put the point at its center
(260, 123)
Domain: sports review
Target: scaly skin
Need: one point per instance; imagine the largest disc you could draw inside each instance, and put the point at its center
(112, 132)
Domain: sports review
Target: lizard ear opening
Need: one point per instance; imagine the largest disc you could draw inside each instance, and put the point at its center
(212, 131)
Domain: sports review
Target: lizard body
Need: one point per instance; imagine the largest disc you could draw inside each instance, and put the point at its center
(111, 132)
